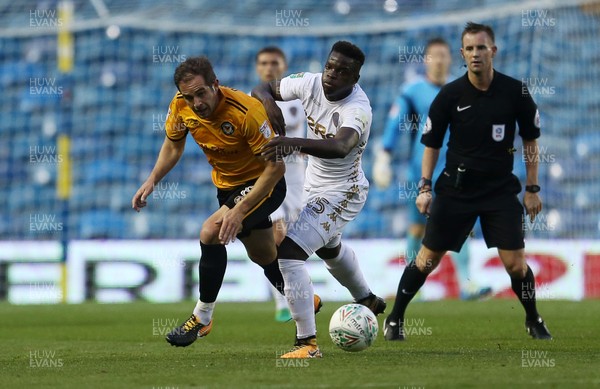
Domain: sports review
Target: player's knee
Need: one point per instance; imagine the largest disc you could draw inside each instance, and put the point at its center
(514, 262)
(209, 234)
(427, 260)
(262, 255)
(329, 253)
(516, 269)
(288, 249)
(417, 230)
(279, 231)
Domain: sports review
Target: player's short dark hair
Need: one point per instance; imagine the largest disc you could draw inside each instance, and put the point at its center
(350, 50)
(474, 28)
(271, 50)
(436, 41)
(195, 66)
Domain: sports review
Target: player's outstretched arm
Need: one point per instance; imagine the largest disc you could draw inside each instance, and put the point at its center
(268, 94)
(330, 148)
(169, 155)
(266, 90)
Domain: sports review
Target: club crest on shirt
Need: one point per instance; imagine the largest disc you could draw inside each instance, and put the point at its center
(227, 128)
(335, 119)
(265, 129)
(536, 120)
(498, 132)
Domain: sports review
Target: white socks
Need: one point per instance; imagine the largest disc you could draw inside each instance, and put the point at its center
(280, 300)
(300, 296)
(345, 269)
(204, 311)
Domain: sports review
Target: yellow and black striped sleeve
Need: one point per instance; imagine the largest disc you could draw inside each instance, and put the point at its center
(258, 131)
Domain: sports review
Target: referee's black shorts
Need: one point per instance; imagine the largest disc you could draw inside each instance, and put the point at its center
(454, 213)
(259, 217)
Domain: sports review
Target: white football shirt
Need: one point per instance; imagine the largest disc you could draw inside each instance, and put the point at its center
(295, 127)
(324, 119)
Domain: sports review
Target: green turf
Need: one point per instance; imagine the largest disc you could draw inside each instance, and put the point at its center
(454, 344)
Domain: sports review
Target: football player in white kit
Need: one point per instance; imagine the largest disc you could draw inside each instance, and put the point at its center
(271, 64)
(339, 121)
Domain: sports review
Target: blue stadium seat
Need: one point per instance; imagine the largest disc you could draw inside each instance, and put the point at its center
(587, 145)
(106, 170)
(102, 224)
(22, 198)
(19, 73)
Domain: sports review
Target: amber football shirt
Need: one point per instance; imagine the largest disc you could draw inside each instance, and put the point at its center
(231, 138)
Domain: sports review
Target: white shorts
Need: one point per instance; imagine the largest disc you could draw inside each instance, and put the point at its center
(325, 214)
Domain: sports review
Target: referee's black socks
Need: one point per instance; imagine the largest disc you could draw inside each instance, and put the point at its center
(525, 290)
(412, 280)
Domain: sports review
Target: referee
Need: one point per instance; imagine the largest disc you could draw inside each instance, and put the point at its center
(482, 109)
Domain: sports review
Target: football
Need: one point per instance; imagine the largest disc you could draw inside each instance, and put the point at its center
(353, 327)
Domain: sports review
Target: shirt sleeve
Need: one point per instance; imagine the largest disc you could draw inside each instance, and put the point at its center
(528, 116)
(437, 122)
(357, 118)
(294, 86)
(175, 129)
(257, 129)
(398, 113)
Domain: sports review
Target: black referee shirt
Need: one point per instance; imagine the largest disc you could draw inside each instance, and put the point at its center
(482, 123)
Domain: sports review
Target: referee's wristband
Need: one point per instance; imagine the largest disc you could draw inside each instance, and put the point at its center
(424, 182)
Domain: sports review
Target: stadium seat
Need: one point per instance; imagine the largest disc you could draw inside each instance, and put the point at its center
(107, 170)
(101, 224)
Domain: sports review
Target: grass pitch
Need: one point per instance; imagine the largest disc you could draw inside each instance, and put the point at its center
(451, 344)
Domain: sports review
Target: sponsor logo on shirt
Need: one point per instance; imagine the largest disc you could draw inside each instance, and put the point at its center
(191, 123)
(243, 193)
(216, 149)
